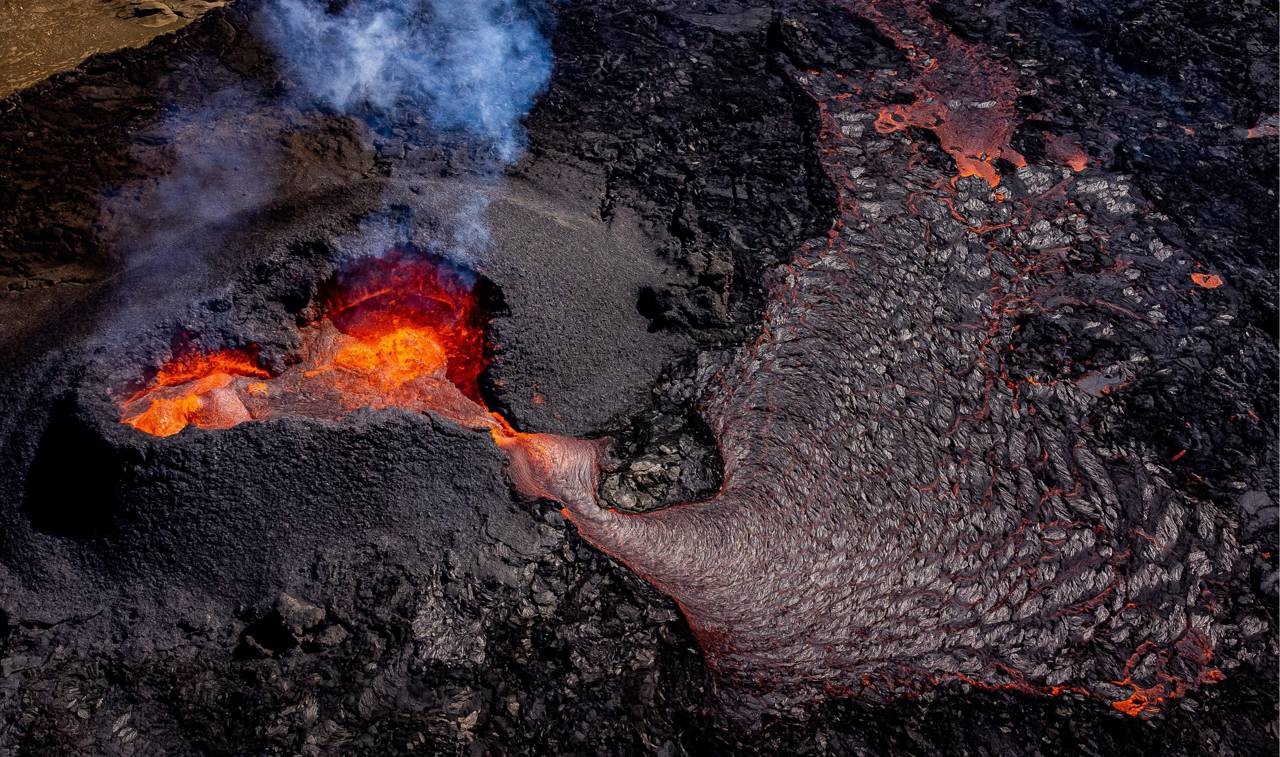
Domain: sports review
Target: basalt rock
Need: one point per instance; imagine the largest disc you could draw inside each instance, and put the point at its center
(948, 327)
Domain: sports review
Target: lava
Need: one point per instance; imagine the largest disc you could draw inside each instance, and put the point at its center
(1207, 280)
(1067, 151)
(193, 389)
(966, 99)
(1267, 128)
(398, 331)
(896, 509)
(1193, 649)
(409, 314)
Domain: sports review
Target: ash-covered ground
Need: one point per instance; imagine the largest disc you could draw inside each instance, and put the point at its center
(738, 247)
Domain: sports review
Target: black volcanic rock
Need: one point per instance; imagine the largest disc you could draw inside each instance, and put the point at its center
(165, 560)
(661, 273)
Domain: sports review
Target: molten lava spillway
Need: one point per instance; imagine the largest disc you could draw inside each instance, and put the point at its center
(400, 331)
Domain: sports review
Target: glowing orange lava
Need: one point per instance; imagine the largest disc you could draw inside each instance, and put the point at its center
(1193, 648)
(399, 331)
(411, 314)
(1067, 151)
(1207, 280)
(193, 389)
(967, 100)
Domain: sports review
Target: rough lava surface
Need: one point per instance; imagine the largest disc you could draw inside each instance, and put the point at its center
(903, 501)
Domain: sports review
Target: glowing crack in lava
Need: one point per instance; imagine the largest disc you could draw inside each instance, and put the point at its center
(964, 98)
(402, 331)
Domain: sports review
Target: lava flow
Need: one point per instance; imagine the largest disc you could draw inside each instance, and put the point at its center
(897, 509)
(194, 389)
(966, 99)
(401, 331)
(903, 503)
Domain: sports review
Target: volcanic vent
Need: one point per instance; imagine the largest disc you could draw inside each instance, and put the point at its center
(403, 330)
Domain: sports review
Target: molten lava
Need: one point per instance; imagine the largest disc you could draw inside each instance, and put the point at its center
(966, 99)
(399, 331)
(1067, 151)
(1207, 280)
(409, 317)
(193, 389)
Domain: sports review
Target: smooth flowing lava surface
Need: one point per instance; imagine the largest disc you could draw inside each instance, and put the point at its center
(398, 331)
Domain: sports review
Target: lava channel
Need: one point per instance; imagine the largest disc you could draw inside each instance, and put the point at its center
(964, 97)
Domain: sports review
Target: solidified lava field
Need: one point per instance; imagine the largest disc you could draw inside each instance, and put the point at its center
(633, 377)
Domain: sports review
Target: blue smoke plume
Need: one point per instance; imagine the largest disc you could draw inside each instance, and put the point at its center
(474, 66)
(470, 67)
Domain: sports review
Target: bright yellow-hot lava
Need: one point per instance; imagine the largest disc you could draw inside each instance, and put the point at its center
(401, 331)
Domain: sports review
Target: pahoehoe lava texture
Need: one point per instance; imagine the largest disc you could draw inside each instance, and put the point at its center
(919, 486)
(994, 463)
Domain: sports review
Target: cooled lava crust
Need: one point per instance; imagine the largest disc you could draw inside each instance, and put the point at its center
(946, 419)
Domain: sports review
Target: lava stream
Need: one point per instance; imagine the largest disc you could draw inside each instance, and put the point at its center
(965, 98)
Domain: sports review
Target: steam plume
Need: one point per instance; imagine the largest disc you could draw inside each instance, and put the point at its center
(474, 66)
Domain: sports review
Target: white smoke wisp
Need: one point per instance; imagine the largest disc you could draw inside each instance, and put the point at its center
(221, 169)
(473, 66)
